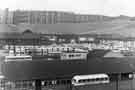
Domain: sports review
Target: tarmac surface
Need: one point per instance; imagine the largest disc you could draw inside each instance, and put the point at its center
(42, 69)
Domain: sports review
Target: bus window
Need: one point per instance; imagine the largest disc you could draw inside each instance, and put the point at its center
(102, 79)
(52, 49)
(105, 78)
(84, 80)
(57, 49)
(92, 80)
(63, 49)
(89, 80)
(68, 49)
(70, 55)
(73, 80)
(97, 79)
(80, 81)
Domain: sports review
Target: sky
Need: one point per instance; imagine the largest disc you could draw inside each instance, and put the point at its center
(102, 7)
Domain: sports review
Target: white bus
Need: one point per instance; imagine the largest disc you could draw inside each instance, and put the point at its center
(80, 80)
(71, 55)
(18, 58)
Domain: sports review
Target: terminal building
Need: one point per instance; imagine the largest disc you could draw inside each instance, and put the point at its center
(57, 75)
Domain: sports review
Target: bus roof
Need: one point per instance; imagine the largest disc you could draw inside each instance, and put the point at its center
(18, 56)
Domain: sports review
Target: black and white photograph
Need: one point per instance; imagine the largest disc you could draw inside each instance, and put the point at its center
(67, 45)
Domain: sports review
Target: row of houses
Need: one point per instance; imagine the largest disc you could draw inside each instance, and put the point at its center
(30, 38)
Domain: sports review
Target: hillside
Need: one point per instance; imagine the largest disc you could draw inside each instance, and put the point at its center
(122, 25)
(124, 28)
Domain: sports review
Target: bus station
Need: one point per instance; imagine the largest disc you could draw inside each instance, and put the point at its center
(57, 75)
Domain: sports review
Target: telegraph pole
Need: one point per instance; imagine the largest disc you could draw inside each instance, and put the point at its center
(117, 80)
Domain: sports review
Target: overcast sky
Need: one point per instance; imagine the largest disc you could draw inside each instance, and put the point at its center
(105, 7)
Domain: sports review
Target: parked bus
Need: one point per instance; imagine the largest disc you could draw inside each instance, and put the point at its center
(18, 58)
(80, 80)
